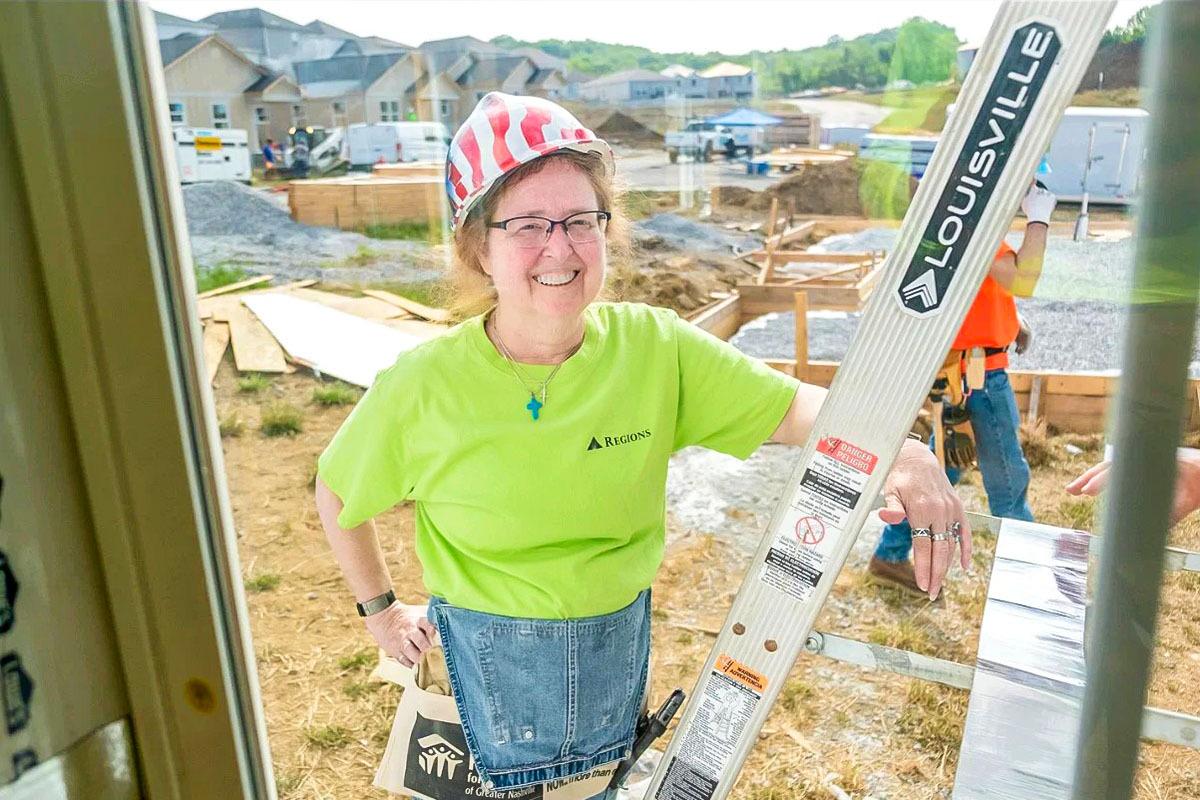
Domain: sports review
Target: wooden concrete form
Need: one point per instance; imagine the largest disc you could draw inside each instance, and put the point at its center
(352, 204)
(797, 128)
(1070, 402)
(845, 290)
(409, 169)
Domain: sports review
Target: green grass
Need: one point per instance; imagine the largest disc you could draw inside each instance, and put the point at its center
(408, 231)
(262, 583)
(231, 425)
(429, 293)
(327, 736)
(335, 394)
(367, 657)
(1130, 97)
(361, 257)
(281, 419)
(933, 716)
(223, 274)
(356, 689)
(253, 383)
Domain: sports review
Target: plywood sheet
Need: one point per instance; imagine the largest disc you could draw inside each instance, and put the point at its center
(332, 342)
(216, 339)
(254, 349)
(365, 307)
(420, 309)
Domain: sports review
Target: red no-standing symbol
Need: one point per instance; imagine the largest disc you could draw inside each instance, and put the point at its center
(810, 530)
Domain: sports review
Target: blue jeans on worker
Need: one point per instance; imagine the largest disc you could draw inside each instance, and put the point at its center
(1005, 472)
(545, 699)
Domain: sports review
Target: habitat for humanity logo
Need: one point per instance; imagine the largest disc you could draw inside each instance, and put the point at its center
(438, 757)
(601, 442)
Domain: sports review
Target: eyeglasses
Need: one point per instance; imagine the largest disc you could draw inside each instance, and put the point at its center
(582, 228)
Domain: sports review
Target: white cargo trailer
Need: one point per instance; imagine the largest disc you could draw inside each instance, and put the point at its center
(1099, 151)
(212, 154)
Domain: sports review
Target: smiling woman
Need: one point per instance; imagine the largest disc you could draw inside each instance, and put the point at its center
(534, 439)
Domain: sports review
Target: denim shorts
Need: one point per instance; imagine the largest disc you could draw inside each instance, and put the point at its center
(545, 699)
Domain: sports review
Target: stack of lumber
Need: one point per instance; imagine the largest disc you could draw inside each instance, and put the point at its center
(792, 158)
(797, 128)
(409, 169)
(353, 204)
(229, 321)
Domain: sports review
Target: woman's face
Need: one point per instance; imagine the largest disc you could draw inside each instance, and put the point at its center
(560, 279)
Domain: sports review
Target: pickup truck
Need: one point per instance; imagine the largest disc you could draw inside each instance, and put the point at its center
(702, 139)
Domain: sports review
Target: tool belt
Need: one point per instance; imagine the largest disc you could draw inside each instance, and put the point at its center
(962, 372)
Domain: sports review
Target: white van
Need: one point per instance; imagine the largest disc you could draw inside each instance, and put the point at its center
(389, 142)
(209, 154)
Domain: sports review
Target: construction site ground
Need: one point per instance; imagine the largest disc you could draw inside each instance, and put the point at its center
(867, 734)
(870, 734)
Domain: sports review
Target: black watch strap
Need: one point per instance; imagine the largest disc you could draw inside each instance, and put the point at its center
(376, 604)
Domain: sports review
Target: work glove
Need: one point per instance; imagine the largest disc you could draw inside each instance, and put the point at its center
(1039, 204)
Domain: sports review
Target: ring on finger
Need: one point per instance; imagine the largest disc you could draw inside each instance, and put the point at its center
(955, 532)
(940, 537)
(922, 533)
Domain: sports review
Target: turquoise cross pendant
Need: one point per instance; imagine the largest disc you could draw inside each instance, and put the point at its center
(534, 406)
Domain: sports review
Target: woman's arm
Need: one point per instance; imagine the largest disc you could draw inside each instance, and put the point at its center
(916, 489)
(402, 631)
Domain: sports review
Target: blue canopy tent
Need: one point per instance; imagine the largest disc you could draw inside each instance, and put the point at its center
(744, 116)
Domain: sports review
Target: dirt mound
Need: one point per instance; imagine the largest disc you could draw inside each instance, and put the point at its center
(852, 187)
(620, 128)
(1119, 62)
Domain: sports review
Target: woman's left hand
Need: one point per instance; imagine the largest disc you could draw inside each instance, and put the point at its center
(917, 489)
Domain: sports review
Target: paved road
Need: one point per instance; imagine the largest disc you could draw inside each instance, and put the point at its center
(650, 169)
(836, 113)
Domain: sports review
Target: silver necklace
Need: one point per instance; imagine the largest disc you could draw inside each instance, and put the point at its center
(534, 405)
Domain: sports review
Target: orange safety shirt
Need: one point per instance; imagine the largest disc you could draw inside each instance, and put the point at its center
(992, 319)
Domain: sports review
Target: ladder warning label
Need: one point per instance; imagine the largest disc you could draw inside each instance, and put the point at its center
(830, 489)
(731, 694)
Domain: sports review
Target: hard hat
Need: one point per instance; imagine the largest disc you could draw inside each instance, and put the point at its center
(505, 131)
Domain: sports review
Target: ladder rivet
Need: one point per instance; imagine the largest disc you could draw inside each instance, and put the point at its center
(739, 628)
(771, 645)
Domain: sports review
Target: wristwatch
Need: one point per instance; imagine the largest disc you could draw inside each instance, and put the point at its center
(376, 604)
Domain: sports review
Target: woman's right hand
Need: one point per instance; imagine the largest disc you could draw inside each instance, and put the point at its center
(404, 632)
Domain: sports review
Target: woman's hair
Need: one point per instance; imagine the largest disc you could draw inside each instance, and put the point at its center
(471, 288)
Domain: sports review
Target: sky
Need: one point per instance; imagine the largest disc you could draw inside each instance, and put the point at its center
(698, 26)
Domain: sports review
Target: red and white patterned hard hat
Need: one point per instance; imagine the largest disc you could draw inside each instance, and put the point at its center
(504, 132)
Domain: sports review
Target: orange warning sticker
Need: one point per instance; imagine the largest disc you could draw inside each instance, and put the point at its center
(750, 678)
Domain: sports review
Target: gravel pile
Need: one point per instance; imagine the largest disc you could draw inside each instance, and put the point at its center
(1077, 313)
(225, 208)
(231, 222)
(672, 230)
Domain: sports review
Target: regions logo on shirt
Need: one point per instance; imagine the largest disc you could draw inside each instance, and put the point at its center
(601, 442)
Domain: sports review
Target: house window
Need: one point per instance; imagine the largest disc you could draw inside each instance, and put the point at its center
(298, 116)
(220, 115)
(260, 115)
(339, 113)
(178, 115)
(389, 110)
(445, 108)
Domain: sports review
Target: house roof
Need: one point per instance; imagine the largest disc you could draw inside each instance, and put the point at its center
(678, 71)
(491, 71)
(176, 48)
(726, 69)
(365, 69)
(459, 44)
(170, 19)
(540, 58)
(378, 44)
(325, 89)
(627, 75)
(325, 29)
(251, 18)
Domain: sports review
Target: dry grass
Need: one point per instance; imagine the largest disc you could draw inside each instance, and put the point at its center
(869, 733)
(281, 419)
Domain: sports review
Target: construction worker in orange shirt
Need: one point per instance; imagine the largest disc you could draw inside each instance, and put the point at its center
(973, 387)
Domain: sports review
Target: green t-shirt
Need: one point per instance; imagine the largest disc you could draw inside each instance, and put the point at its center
(561, 517)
